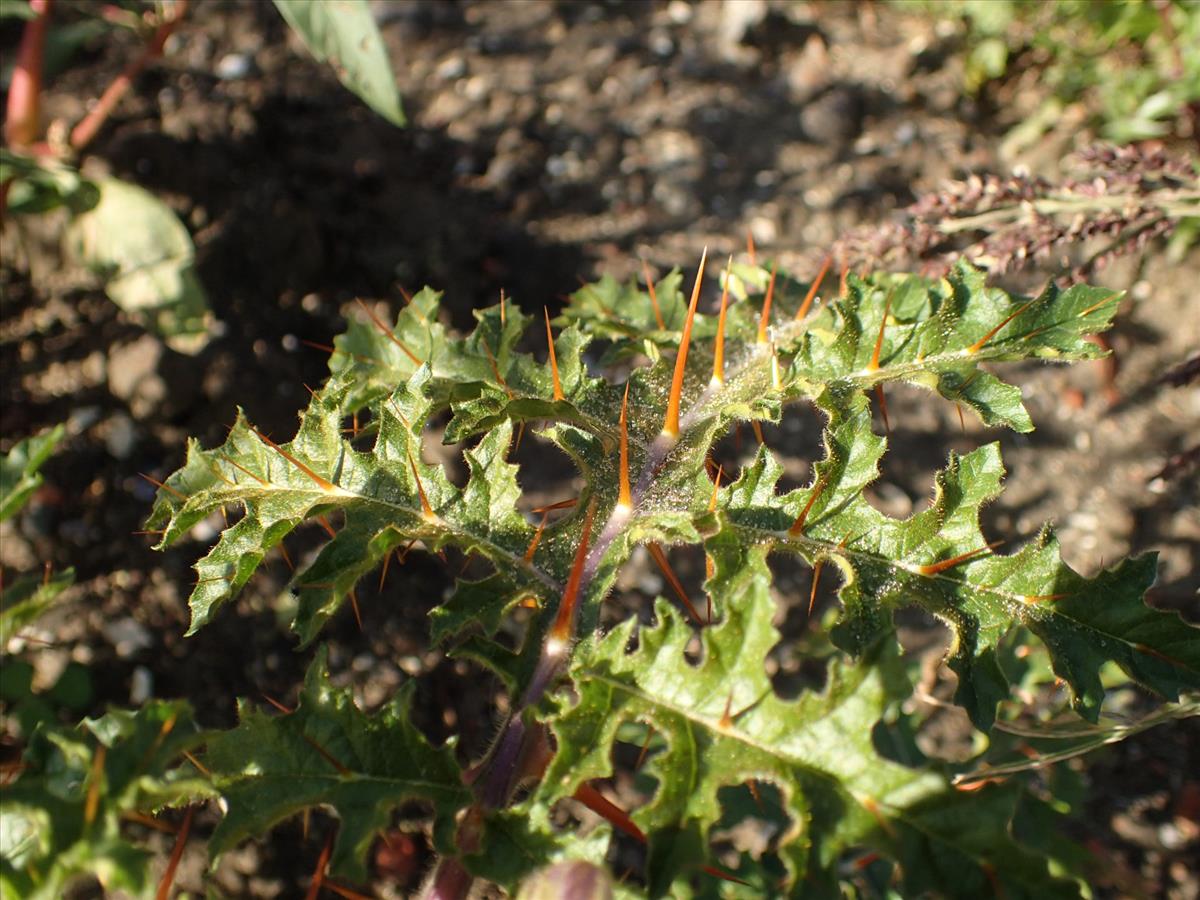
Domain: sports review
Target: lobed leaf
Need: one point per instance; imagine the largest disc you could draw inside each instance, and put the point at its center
(380, 494)
(645, 480)
(724, 726)
(327, 752)
(936, 334)
(939, 560)
(483, 378)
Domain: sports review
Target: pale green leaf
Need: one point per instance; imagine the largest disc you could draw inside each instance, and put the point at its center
(144, 254)
(343, 33)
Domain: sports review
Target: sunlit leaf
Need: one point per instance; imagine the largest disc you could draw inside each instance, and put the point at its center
(19, 476)
(357, 467)
(343, 33)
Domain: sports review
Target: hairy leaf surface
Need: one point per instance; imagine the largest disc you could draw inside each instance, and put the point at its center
(725, 726)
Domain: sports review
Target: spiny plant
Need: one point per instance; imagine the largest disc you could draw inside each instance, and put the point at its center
(842, 796)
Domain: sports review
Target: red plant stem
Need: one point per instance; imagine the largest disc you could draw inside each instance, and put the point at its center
(82, 134)
(164, 886)
(25, 89)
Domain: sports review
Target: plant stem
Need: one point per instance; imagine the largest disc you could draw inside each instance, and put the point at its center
(501, 770)
(1174, 203)
(82, 134)
(25, 89)
(450, 881)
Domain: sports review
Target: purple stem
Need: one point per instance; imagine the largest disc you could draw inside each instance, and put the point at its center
(450, 881)
(500, 777)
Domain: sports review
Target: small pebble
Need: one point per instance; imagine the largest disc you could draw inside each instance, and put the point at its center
(233, 66)
(1172, 838)
(679, 12)
(121, 436)
(451, 68)
(128, 636)
(661, 44)
(141, 686)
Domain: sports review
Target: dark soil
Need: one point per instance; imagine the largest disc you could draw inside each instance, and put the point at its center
(548, 142)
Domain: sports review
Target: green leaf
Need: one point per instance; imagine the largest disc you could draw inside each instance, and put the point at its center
(18, 11)
(23, 601)
(122, 762)
(19, 476)
(379, 493)
(375, 360)
(617, 311)
(887, 564)
(623, 314)
(935, 335)
(482, 378)
(143, 252)
(343, 33)
(40, 184)
(329, 753)
(724, 725)
(357, 466)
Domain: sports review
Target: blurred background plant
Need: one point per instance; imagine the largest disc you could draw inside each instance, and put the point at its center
(107, 229)
(1134, 64)
(22, 601)
(1118, 200)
